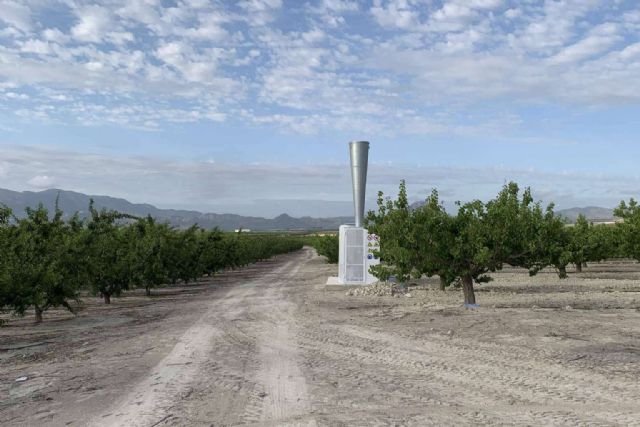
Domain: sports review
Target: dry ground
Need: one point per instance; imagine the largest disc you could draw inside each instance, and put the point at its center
(268, 345)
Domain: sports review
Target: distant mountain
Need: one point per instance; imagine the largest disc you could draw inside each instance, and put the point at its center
(71, 202)
(592, 213)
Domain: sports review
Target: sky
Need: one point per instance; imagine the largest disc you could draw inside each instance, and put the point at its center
(247, 106)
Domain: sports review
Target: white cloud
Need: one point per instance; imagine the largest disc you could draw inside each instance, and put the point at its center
(599, 39)
(54, 35)
(260, 12)
(94, 23)
(208, 29)
(483, 4)
(134, 63)
(42, 181)
(16, 14)
(452, 17)
(395, 13)
(340, 5)
(513, 13)
(193, 67)
(553, 26)
(187, 183)
(36, 46)
(14, 95)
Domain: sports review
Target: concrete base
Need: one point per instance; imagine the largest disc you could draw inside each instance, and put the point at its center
(333, 280)
(333, 284)
(340, 288)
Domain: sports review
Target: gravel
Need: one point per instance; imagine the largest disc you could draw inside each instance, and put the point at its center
(381, 289)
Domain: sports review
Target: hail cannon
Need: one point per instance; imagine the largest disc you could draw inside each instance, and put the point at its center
(356, 244)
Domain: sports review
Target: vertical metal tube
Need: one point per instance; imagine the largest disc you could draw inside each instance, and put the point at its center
(359, 152)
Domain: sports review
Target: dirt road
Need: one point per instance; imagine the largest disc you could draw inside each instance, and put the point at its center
(267, 345)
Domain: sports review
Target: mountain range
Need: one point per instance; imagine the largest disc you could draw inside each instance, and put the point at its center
(71, 202)
(592, 213)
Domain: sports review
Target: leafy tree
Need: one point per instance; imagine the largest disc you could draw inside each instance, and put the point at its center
(629, 229)
(155, 254)
(606, 241)
(39, 271)
(549, 242)
(6, 257)
(393, 223)
(466, 247)
(187, 252)
(212, 251)
(44, 262)
(327, 246)
(580, 242)
(433, 235)
(108, 253)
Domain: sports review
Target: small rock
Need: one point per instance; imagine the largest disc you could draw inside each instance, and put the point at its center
(450, 332)
(534, 307)
(568, 307)
(407, 295)
(21, 379)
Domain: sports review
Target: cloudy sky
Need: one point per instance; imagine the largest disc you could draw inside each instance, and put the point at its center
(247, 106)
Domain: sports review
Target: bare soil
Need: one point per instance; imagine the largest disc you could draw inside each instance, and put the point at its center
(269, 345)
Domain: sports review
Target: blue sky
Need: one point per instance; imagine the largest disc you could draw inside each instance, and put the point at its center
(247, 106)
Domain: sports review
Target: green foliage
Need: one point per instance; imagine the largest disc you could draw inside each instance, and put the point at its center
(108, 254)
(245, 249)
(580, 242)
(629, 229)
(466, 247)
(593, 243)
(152, 258)
(6, 258)
(606, 241)
(36, 269)
(482, 237)
(549, 244)
(45, 262)
(327, 246)
(394, 225)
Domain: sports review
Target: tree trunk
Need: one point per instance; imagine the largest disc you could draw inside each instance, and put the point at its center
(467, 289)
(38, 314)
(443, 283)
(107, 298)
(147, 290)
(579, 267)
(562, 271)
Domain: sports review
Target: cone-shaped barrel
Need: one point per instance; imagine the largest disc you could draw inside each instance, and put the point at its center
(359, 151)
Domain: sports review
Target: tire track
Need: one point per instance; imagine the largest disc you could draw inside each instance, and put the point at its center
(239, 352)
(455, 374)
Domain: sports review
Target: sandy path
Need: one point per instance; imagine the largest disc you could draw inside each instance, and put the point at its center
(271, 366)
(284, 384)
(269, 346)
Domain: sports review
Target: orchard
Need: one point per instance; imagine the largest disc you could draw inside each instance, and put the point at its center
(464, 248)
(46, 262)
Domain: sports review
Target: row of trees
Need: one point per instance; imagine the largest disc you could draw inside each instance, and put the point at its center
(46, 261)
(327, 246)
(464, 248)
